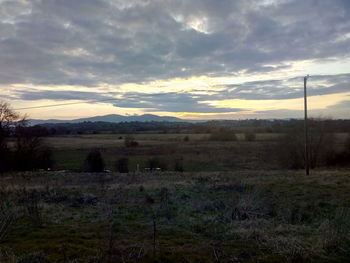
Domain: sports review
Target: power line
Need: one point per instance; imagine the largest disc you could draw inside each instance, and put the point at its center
(63, 104)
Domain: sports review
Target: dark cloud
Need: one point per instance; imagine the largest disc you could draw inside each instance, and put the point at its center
(60, 95)
(88, 42)
(195, 102)
(92, 41)
(171, 102)
(340, 110)
(291, 88)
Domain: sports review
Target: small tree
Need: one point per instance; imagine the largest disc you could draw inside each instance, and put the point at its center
(8, 119)
(94, 162)
(28, 150)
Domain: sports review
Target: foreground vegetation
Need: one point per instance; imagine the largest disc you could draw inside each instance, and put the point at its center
(242, 216)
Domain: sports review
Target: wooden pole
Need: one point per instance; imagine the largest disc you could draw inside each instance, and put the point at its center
(307, 166)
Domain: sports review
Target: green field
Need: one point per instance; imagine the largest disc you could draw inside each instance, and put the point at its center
(241, 216)
(197, 153)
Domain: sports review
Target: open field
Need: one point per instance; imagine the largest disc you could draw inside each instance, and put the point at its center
(195, 151)
(196, 154)
(241, 216)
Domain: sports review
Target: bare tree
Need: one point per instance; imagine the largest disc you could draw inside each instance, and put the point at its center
(7, 115)
(27, 150)
(8, 119)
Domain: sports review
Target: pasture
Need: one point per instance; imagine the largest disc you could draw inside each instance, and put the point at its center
(240, 216)
(196, 152)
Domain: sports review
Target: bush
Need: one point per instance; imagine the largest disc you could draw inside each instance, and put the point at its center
(290, 151)
(179, 165)
(249, 136)
(122, 165)
(94, 162)
(5, 157)
(30, 152)
(130, 141)
(45, 158)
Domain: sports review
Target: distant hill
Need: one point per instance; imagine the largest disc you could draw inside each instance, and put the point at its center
(114, 118)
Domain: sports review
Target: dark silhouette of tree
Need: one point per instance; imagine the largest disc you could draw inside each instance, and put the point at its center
(122, 165)
(94, 162)
(27, 151)
(8, 119)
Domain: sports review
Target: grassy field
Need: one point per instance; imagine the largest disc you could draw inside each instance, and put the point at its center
(241, 216)
(195, 151)
(113, 140)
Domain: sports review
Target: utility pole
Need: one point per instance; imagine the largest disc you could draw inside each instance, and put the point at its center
(307, 166)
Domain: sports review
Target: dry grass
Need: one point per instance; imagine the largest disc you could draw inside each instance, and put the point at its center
(242, 216)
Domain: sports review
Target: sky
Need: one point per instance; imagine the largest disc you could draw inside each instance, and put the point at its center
(193, 59)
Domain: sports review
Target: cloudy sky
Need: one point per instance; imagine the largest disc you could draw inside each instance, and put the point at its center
(194, 59)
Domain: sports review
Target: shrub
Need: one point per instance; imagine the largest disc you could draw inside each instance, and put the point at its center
(5, 157)
(130, 141)
(122, 165)
(249, 136)
(30, 152)
(342, 157)
(186, 138)
(45, 158)
(290, 151)
(179, 165)
(94, 162)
